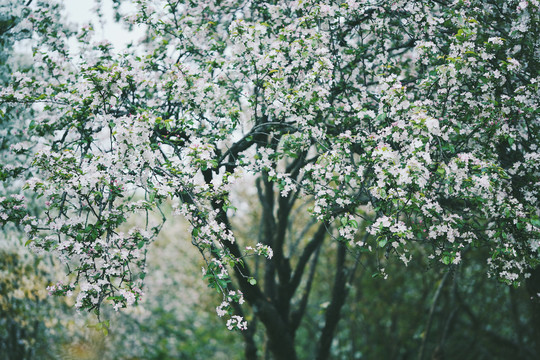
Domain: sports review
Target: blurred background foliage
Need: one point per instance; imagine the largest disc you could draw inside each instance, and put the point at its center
(420, 312)
(175, 321)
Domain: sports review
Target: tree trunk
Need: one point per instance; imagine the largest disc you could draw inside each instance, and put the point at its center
(280, 337)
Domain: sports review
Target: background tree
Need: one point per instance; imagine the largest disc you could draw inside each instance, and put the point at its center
(396, 125)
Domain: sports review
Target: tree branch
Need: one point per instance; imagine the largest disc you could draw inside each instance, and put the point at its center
(298, 314)
(339, 294)
(310, 248)
(430, 316)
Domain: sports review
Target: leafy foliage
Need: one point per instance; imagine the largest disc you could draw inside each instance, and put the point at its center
(399, 125)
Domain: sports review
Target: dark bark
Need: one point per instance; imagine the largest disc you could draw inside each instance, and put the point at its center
(298, 314)
(250, 347)
(430, 316)
(271, 303)
(266, 197)
(280, 338)
(310, 248)
(339, 293)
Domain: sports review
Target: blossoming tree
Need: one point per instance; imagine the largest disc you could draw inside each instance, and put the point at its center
(399, 124)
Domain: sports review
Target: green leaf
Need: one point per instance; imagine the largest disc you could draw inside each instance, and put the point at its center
(446, 260)
(252, 281)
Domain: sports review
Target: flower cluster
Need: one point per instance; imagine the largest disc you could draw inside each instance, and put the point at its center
(419, 121)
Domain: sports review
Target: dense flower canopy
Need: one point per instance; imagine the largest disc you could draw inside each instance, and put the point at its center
(417, 118)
